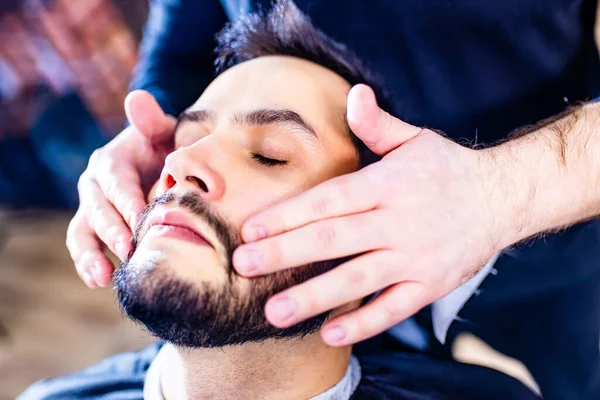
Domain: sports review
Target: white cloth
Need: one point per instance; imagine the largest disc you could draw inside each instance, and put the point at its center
(443, 312)
(152, 386)
(341, 391)
(446, 309)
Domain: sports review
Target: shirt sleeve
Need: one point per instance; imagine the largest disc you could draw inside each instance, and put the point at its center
(176, 54)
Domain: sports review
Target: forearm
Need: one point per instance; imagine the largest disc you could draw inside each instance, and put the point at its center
(547, 179)
(176, 54)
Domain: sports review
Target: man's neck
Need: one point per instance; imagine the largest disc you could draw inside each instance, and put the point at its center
(276, 369)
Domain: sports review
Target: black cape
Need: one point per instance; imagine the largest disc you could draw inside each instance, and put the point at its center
(385, 376)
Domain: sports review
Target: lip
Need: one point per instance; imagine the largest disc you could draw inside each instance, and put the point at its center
(175, 224)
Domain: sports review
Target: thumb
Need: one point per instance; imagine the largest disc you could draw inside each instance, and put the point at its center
(380, 131)
(146, 116)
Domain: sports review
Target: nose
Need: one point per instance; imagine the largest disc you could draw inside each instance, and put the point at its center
(189, 173)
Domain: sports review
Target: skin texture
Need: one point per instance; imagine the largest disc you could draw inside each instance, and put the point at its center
(426, 217)
(456, 206)
(215, 160)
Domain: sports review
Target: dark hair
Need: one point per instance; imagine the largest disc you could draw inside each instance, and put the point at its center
(286, 31)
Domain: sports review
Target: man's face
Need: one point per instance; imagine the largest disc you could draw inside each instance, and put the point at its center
(262, 132)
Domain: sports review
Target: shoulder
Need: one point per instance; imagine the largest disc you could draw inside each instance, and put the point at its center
(415, 377)
(117, 377)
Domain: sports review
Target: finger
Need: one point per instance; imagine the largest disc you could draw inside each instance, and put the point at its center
(379, 130)
(105, 221)
(353, 280)
(339, 196)
(146, 115)
(91, 264)
(321, 240)
(389, 308)
(121, 186)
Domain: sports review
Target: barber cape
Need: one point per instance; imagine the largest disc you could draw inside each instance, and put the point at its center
(382, 375)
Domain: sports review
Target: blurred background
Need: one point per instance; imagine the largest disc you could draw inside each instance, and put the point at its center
(65, 66)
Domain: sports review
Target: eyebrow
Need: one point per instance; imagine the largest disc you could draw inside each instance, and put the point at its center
(197, 116)
(268, 116)
(259, 117)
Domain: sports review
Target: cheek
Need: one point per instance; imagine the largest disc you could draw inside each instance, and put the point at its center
(342, 166)
(253, 196)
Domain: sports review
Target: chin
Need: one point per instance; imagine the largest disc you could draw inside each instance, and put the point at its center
(188, 263)
(199, 314)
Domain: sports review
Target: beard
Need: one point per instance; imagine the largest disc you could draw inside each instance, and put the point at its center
(207, 314)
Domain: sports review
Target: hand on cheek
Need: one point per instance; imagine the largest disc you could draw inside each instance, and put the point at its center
(419, 223)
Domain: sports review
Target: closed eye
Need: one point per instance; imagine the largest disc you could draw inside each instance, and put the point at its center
(269, 162)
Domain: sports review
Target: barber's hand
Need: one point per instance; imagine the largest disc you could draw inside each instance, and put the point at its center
(421, 221)
(111, 190)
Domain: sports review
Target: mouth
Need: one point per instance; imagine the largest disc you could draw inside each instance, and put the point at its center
(175, 225)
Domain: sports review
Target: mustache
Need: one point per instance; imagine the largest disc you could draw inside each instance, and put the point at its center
(226, 232)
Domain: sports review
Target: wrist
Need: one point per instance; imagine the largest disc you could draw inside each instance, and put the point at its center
(510, 192)
(544, 180)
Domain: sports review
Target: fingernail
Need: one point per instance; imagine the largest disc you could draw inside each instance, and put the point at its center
(254, 233)
(353, 110)
(335, 334)
(88, 280)
(97, 274)
(282, 308)
(247, 260)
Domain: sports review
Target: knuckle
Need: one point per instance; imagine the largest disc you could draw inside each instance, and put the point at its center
(274, 254)
(111, 190)
(97, 219)
(326, 235)
(392, 313)
(386, 122)
(389, 123)
(363, 325)
(344, 186)
(120, 201)
(320, 206)
(96, 157)
(82, 182)
(113, 233)
(310, 300)
(126, 207)
(355, 277)
(110, 166)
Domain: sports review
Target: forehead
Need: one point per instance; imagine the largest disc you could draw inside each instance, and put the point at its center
(281, 82)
